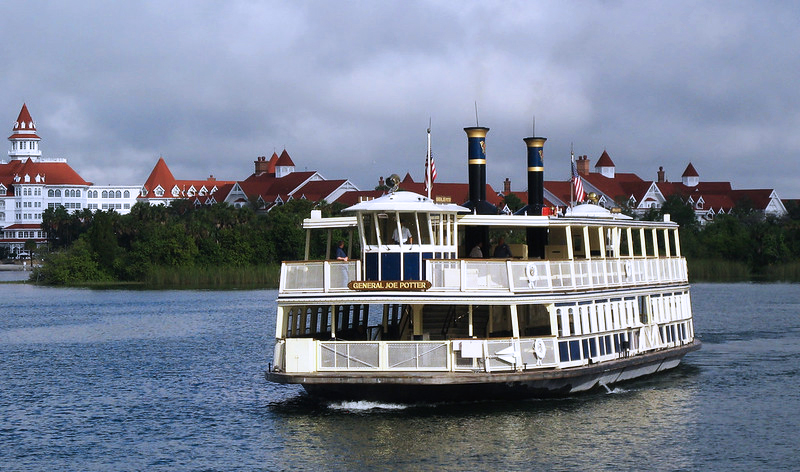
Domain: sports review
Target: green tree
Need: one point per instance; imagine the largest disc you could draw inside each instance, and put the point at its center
(513, 202)
(74, 265)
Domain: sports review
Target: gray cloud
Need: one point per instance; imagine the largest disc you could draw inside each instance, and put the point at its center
(348, 87)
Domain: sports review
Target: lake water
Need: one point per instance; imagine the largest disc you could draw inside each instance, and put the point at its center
(173, 380)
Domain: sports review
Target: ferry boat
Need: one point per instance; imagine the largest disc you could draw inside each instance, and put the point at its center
(590, 299)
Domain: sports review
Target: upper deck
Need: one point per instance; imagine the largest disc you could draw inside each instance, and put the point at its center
(408, 243)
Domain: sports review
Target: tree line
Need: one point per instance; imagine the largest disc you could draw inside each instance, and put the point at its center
(104, 246)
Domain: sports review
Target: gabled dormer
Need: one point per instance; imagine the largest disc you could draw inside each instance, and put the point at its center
(700, 203)
(159, 191)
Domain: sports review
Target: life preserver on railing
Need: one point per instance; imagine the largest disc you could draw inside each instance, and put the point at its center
(531, 273)
(628, 270)
(539, 349)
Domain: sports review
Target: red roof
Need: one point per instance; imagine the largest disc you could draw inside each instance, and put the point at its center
(319, 189)
(24, 226)
(760, 198)
(622, 185)
(272, 161)
(690, 171)
(284, 160)
(54, 173)
(24, 117)
(161, 175)
(449, 192)
(605, 161)
(352, 197)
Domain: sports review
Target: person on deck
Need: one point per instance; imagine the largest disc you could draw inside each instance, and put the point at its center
(477, 252)
(406, 236)
(341, 255)
(502, 251)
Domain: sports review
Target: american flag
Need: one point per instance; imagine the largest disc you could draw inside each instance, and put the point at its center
(577, 182)
(429, 158)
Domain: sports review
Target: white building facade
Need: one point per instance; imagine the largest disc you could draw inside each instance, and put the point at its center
(29, 184)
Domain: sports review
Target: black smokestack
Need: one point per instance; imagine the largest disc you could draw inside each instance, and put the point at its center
(477, 172)
(476, 139)
(536, 237)
(535, 177)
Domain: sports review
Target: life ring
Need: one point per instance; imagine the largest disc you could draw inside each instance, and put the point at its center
(531, 273)
(539, 349)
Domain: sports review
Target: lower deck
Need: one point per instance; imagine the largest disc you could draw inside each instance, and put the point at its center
(432, 386)
(473, 337)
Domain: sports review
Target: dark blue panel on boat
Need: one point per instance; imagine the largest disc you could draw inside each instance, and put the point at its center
(574, 350)
(411, 266)
(563, 351)
(425, 255)
(390, 266)
(371, 266)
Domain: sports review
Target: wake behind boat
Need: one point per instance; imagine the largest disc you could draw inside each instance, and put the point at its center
(591, 298)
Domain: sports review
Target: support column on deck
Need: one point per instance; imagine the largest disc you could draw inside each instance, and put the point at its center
(417, 320)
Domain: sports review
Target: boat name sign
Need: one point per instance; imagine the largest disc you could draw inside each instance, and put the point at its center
(389, 285)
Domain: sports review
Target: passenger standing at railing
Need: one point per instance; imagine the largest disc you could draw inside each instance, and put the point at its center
(340, 254)
(502, 251)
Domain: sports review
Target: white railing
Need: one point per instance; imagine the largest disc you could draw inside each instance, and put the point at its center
(496, 275)
(318, 276)
(477, 355)
(535, 276)
(436, 356)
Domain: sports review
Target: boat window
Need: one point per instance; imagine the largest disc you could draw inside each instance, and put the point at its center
(369, 230)
(408, 221)
(534, 320)
(424, 229)
(436, 227)
(643, 311)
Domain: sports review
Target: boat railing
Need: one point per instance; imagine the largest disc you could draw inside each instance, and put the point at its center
(497, 275)
(318, 276)
(489, 355)
(478, 355)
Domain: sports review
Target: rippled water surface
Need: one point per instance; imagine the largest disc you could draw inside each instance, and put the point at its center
(173, 380)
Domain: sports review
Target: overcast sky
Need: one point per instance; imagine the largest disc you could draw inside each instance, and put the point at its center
(347, 88)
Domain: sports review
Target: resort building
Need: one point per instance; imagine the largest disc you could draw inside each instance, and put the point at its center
(30, 183)
(617, 190)
(273, 182)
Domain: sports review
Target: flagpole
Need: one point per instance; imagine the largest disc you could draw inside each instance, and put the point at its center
(428, 162)
(572, 178)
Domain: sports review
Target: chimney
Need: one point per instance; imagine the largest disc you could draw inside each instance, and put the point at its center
(661, 175)
(211, 178)
(507, 186)
(536, 237)
(476, 139)
(583, 165)
(261, 165)
(381, 182)
(476, 158)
